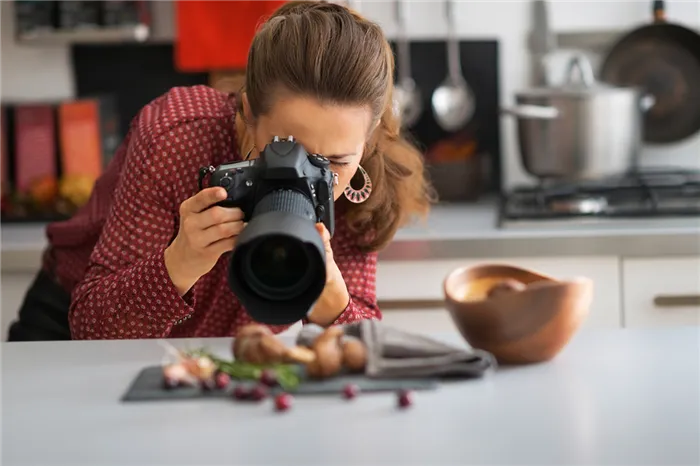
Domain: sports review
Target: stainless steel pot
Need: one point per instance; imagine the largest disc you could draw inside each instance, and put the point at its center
(580, 130)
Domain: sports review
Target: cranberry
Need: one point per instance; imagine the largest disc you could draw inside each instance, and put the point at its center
(258, 393)
(405, 398)
(170, 383)
(268, 377)
(241, 392)
(351, 391)
(283, 401)
(207, 384)
(222, 380)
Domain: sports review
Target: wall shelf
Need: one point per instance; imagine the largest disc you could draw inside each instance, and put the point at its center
(593, 41)
(138, 33)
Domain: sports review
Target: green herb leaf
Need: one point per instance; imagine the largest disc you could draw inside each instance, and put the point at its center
(288, 375)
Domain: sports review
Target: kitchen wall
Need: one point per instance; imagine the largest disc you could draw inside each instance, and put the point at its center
(31, 73)
(509, 21)
(45, 72)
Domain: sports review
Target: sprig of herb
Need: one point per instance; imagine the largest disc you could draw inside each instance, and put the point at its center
(288, 375)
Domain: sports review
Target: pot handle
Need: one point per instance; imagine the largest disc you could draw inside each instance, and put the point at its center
(585, 70)
(659, 11)
(532, 112)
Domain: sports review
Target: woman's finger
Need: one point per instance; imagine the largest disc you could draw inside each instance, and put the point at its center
(203, 200)
(222, 246)
(326, 236)
(323, 231)
(217, 215)
(221, 231)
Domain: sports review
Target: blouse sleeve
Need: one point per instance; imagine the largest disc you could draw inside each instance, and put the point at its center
(127, 291)
(359, 272)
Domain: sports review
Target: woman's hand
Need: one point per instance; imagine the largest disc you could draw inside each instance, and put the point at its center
(335, 296)
(206, 232)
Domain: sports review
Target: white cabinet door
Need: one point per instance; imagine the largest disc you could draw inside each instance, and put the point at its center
(661, 291)
(422, 281)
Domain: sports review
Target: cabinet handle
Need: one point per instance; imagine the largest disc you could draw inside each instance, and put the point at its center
(410, 304)
(677, 300)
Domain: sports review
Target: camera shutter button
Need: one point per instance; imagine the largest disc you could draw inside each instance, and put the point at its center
(225, 182)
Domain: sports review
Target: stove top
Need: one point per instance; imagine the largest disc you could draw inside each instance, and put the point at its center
(637, 196)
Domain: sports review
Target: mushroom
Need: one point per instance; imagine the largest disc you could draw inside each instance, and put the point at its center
(300, 354)
(329, 354)
(245, 337)
(354, 354)
(257, 344)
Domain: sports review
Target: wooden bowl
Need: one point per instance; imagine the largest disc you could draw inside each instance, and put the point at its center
(527, 320)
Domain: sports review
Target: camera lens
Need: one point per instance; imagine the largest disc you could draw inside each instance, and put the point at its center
(279, 267)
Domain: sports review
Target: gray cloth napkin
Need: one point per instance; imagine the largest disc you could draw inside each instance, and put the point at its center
(394, 353)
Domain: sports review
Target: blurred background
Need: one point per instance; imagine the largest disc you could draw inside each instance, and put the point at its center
(507, 169)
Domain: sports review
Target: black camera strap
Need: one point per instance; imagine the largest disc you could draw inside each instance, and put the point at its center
(203, 172)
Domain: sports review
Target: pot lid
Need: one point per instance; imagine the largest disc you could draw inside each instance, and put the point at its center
(580, 81)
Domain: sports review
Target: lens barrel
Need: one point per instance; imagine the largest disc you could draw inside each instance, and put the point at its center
(278, 267)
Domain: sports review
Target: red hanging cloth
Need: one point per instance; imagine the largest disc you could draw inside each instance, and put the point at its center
(216, 35)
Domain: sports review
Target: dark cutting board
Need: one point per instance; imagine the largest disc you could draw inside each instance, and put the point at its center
(148, 386)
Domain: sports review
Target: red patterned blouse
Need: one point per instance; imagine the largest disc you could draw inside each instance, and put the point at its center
(110, 254)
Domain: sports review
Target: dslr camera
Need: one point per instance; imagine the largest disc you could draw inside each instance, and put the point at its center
(278, 267)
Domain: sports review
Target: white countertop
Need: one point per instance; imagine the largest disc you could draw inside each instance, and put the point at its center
(611, 397)
(480, 220)
(472, 231)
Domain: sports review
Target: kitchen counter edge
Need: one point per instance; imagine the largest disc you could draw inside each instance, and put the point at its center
(22, 250)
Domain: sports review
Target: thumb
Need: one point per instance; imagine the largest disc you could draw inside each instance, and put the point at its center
(326, 236)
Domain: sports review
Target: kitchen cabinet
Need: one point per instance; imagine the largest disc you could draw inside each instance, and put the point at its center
(628, 292)
(661, 291)
(404, 284)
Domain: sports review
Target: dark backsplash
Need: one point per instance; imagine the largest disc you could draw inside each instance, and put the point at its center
(480, 69)
(136, 74)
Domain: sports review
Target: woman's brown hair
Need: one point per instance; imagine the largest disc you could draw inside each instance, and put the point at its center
(326, 51)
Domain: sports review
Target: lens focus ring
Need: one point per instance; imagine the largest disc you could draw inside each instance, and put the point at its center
(286, 200)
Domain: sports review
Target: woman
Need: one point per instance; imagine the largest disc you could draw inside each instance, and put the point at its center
(143, 259)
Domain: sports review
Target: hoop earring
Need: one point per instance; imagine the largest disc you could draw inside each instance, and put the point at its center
(358, 196)
(247, 156)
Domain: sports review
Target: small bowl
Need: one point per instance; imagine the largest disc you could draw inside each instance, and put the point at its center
(528, 320)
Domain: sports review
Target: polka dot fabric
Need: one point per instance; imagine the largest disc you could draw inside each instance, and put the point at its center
(110, 254)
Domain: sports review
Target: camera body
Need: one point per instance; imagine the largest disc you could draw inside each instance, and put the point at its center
(278, 267)
(283, 164)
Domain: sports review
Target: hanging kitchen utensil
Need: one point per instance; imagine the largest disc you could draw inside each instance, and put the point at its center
(453, 101)
(663, 59)
(580, 130)
(542, 42)
(408, 104)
